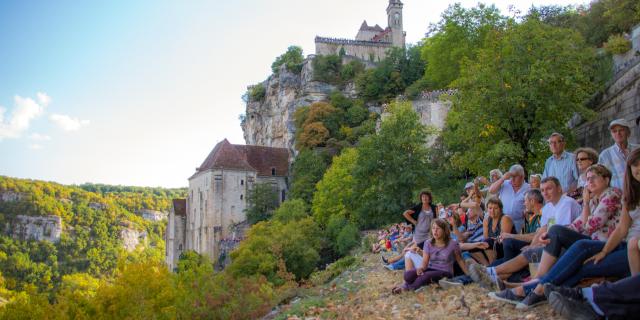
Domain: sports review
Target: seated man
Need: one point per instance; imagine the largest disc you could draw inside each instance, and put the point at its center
(560, 209)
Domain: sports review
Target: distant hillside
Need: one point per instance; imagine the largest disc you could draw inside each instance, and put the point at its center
(49, 230)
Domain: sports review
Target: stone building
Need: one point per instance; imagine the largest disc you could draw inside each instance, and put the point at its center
(371, 42)
(217, 197)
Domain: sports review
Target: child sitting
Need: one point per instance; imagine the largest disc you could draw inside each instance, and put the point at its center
(436, 262)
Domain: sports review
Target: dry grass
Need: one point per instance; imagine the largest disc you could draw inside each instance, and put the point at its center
(365, 293)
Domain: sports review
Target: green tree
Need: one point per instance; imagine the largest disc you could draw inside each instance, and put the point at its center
(334, 195)
(292, 59)
(527, 82)
(458, 35)
(390, 167)
(291, 210)
(306, 171)
(262, 199)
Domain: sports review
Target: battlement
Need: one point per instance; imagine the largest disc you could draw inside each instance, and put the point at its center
(341, 41)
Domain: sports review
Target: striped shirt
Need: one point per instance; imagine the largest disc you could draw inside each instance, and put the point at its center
(565, 169)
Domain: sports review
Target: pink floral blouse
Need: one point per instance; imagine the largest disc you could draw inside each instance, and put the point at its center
(605, 215)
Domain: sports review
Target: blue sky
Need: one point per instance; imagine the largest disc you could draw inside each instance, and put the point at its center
(139, 92)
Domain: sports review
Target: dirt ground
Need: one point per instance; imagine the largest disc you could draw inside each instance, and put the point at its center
(364, 292)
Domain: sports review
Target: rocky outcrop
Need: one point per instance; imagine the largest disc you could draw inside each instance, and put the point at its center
(9, 196)
(131, 238)
(153, 215)
(40, 228)
(270, 121)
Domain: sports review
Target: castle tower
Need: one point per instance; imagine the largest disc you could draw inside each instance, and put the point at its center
(394, 17)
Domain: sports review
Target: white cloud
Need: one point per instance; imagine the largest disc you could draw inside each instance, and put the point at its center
(39, 137)
(35, 146)
(68, 123)
(43, 98)
(24, 111)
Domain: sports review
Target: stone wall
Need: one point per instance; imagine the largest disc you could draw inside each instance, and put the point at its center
(621, 99)
(365, 50)
(175, 239)
(41, 228)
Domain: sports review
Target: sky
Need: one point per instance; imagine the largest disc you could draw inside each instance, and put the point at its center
(139, 92)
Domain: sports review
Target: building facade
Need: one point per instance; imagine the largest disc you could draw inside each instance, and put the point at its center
(217, 198)
(371, 42)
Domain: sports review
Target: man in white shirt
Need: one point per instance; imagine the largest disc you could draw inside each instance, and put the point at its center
(511, 189)
(559, 209)
(615, 157)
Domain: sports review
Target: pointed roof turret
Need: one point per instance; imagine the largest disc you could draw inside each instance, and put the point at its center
(364, 25)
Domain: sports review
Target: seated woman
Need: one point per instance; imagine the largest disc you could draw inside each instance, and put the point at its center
(495, 224)
(585, 158)
(586, 234)
(437, 259)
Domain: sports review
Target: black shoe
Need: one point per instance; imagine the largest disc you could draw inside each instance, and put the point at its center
(530, 301)
(384, 259)
(572, 293)
(572, 309)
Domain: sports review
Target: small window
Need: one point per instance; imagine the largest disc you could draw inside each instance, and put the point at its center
(273, 171)
(282, 195)
(180, 247)
(241, 197)
(241, 182)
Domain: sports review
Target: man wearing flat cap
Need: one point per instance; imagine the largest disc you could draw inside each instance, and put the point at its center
(615, 156)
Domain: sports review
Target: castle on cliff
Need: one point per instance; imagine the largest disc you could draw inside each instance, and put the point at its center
(371, 42)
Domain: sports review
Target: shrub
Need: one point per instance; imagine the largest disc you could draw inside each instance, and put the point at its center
(257, 92)
(617, 44)
(292, 59)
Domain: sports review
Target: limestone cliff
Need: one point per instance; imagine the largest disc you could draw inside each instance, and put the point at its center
(269, 122)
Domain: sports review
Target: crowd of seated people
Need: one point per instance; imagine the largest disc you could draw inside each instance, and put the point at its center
(540, 241)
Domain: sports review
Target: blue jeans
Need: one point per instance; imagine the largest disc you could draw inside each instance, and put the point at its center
(398, 265)
(570, 268)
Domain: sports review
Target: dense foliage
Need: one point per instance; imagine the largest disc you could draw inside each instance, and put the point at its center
(330, 69)
(92, 217)
(527, 82)
(392, 76)
(262, 199)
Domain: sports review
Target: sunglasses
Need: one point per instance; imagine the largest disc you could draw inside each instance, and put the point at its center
(582, 159)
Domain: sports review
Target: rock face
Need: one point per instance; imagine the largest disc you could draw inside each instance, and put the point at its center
(270, 122)
(153, 215)
(131, 238)
(47, 228)
(8, 196)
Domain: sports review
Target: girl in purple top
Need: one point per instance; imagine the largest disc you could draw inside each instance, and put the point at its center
(438, 257)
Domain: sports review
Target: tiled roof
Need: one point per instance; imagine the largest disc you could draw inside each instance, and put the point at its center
(263, 159)
(246, 157)
(180, 207)
(380, 36)
(225, 155)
